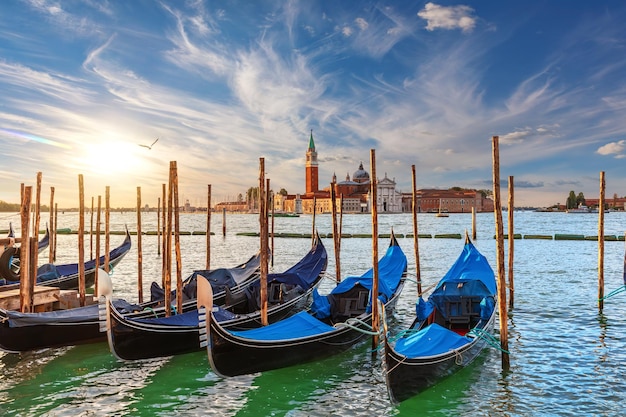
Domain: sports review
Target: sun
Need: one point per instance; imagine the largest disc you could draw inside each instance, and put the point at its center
(113, 158)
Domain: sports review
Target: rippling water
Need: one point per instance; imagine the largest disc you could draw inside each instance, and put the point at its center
(566, 357)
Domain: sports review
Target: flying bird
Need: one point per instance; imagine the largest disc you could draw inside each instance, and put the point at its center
(150, 147)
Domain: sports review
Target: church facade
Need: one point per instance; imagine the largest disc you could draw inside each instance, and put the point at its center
(352, 194)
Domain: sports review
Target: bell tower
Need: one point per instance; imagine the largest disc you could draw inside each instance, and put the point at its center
(311, 167)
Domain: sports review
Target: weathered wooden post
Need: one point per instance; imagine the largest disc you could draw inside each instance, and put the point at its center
(53, 230)
(167, 250)
(418, 275)
(336, 237)
(208, 229)
(56, 219)
(263, 236)
(474, 223)
(224, 221)
(139, 250)
(107, 229)
(374, 208)
(601, 243)
(313, 220)
(511, 242)
(91, 231)
(81, 241)
(502, 306)
(98, 230)
(166, 205)
(179, 262)
(27, 277)
(159, 232)
(34, 259)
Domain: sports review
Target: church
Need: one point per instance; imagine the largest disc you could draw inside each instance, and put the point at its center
(353, 194)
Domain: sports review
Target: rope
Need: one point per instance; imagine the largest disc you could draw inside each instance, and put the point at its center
(153, 312)
(614, 292)
(488, 337)
(350, 323)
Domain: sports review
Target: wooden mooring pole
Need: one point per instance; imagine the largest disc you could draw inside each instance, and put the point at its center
(179, 260)
(263, 236)
(224, 222)
(167, 249)
(164, 230)
(502, 306)
(53, 230)
(91, 230)
(601, 243)
(81, 241)
(474, 223)
(374, 208)
(159, 232)
(139, 250)
(511, 210)
(418, 276)
(336, 238)
(27, 277)
(98, 231)
(208, 229)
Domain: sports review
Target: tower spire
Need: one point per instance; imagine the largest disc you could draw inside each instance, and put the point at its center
(311, 143)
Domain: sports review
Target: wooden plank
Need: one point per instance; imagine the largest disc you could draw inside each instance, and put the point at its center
(10, 300)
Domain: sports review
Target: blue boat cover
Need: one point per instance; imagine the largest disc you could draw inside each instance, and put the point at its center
(391, 268)
(299, 325)
(72, 315)
(470, 276)
(432, 340)
(189, 318)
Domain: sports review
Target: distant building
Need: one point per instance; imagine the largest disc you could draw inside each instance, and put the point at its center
(449, 201)
(614, 202)
(353, 195)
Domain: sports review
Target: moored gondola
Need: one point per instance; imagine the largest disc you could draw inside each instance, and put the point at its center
(21, 332)
(334, 323)
(449, 331)
(136, 336)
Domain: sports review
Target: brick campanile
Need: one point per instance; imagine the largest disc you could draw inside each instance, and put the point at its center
(311, 167)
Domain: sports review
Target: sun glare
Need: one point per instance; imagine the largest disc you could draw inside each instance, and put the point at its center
(113, 158)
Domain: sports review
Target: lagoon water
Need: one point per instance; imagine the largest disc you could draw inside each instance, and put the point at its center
(567, 358)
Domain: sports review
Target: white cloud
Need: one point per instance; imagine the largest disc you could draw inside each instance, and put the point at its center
(613, 148)
(453, 17)
(361, 23)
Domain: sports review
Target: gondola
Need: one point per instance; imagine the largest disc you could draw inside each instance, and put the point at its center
(333, 324)
(21, 332)
(65, 276)
(9, 256)
(133, 337)
(449, 331)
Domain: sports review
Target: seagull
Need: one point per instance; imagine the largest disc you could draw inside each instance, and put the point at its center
(150, 147)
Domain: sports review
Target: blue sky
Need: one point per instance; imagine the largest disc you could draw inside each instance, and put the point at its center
(223, 83)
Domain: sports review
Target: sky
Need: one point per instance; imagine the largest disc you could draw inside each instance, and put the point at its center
(221, 84)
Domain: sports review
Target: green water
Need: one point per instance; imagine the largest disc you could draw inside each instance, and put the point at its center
(566, 358)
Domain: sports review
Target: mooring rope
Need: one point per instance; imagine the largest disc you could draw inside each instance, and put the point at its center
(350, 323)
(488, 337)
(614, 293)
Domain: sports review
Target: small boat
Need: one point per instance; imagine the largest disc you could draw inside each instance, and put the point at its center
(141, 336)
(334, 323)
(65, 276)
(9, 256)
(449, 331)
(442, 213)
(20, 332)
(580, 209)
(283, 214)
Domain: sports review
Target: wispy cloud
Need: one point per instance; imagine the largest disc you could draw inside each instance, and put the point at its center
(452, 17)
(613, 148)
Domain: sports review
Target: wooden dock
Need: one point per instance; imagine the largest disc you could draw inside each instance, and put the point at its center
(44, 298)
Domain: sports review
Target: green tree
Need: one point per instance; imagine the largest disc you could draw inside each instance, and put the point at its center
(580, 199)
(283, 192)
(571, 200)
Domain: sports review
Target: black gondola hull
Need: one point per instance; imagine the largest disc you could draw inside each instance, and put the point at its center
(407, 377)
(21, 339)
(133, 340)
(227, 352)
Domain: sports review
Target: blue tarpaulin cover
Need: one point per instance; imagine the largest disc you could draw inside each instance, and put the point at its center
(432, 340)
(391, 270)
(300, 325)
